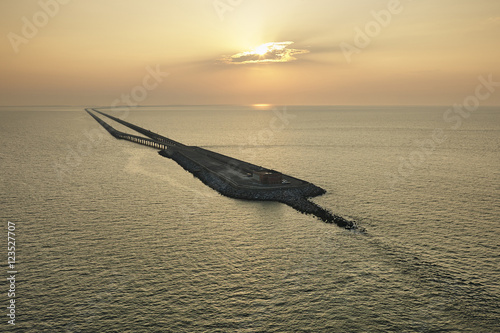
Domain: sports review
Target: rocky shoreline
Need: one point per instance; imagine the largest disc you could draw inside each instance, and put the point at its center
(296, 198)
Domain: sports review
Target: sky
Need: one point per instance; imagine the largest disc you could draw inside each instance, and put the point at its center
(286, 52)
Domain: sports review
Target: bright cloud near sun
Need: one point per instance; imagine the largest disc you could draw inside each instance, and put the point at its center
(266, 53)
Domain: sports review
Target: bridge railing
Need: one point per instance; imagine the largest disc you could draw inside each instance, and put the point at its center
(129, 137)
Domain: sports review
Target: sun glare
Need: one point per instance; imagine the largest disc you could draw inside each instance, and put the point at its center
(266, 53)
(263, 49)
(261, 106)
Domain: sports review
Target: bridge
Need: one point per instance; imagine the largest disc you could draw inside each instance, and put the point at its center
(129, 137)
(155, 136)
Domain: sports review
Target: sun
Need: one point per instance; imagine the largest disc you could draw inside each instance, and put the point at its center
(261, 50)
(265, 53)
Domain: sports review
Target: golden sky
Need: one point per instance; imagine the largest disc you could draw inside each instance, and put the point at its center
(338, 52)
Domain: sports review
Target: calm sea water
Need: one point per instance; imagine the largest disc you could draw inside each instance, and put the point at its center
(112, 237)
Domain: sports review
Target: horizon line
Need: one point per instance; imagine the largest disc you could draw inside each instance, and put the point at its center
(229, 104)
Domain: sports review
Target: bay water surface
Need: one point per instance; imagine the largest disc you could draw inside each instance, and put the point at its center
(112, 237)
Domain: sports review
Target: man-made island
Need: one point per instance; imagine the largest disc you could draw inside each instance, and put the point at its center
(229, 176)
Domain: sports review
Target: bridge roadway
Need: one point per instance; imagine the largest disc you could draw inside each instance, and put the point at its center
(155, 136)
(129, 137)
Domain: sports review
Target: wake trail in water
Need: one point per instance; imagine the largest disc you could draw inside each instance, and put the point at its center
(466, 301)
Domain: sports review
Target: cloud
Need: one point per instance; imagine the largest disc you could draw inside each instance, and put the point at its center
(266, 53)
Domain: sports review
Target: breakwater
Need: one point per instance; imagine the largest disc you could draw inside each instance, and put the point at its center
(296, 198)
